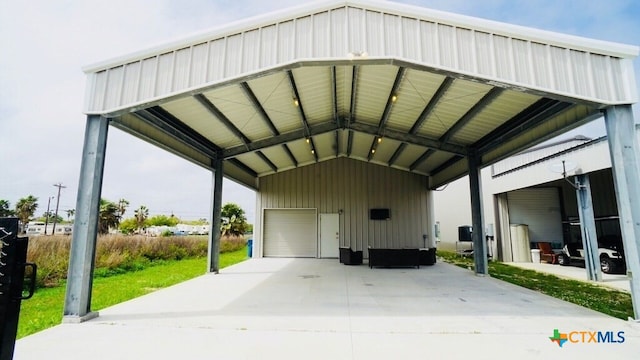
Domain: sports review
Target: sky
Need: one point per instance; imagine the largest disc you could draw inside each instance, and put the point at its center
(44, 45)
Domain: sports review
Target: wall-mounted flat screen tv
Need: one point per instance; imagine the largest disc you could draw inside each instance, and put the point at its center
(379, 214)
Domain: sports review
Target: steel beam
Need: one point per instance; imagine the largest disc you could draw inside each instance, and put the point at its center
(391, 99)
(625, 161)
(256, 104)
(77, 303)
(177, 133)
(222, 118)
(442, 89)
(469, 115)
(479, 243)
(213, 255)
(279, 139)
(588, 227)
(264, 158)
(411, 139)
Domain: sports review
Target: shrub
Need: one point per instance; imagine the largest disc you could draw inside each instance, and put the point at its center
(232, 243)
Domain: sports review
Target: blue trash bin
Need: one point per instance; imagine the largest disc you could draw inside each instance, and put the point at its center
(250, 247)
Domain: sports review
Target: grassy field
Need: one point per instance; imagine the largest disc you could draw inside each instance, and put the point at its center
(608, 301)
(118, 254)
(45, 308)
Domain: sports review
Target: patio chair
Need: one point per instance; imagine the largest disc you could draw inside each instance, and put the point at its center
(350, 257)
(546, 253)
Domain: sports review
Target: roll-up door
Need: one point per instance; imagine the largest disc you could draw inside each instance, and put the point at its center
(539, 208)
(290, 233)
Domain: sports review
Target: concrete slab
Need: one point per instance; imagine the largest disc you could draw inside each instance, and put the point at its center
(320, 309)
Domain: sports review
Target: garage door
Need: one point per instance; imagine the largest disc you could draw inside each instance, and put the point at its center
(290, 233)
(539, 208)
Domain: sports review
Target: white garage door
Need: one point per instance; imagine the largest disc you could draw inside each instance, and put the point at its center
(539, 208)
(290, 233)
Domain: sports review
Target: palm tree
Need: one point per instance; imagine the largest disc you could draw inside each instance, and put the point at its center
(4, 208)
(141, 216)
(25, 208)
(70, 213)
(234, 223)
(122, 208)
(108, 216)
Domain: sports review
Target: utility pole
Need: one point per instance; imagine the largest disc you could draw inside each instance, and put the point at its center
(46, 215)
(55, 219)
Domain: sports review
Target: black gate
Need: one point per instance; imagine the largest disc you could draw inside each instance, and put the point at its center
(13, 266)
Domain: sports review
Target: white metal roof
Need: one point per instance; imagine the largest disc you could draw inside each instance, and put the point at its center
(431, 85)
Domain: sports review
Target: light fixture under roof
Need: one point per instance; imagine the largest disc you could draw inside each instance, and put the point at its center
(296, 102)
(394, 98)
(357, 54)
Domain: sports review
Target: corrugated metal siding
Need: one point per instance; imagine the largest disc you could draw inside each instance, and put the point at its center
(532, 155)
(354, 187)
(602, 195)
(417, 89)
(154, 136)
(315, 89)
(539, 209)
(553, 125)
(336, 32)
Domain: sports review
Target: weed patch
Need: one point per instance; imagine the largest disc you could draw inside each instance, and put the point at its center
(117, 254)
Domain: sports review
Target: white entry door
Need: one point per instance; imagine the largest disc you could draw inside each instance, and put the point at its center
(329, 235)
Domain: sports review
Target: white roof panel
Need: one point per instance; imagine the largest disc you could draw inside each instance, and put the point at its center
(230, 91)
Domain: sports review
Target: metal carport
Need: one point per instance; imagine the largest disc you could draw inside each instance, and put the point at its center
(432, 93)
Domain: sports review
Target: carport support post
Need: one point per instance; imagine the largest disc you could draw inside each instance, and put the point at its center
(77, 303)
(216, 217)
(479, 243)
(588, 228)
(625, 161)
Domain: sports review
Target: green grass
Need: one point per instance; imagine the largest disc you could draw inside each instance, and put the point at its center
(45, 308)
(608, 301)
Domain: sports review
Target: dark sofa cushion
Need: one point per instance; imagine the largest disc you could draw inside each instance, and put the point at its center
(394, 257)
(350, 257)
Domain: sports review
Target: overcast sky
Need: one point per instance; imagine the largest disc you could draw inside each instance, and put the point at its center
(44, 44)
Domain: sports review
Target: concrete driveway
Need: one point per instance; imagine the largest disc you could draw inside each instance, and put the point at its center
(320, 309)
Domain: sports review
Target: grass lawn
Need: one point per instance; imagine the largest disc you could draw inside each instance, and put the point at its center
(45, 308)
(608, 301)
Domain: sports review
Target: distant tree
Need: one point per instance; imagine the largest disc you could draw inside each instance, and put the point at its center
(234, 223)
(230, 209)
(128, 226)
(123, 204)
(195, 222)
(141, 215)
(5, 208)
(108, 217)
(163, 220)
(70, 214)
(25, 208)
(52, 217)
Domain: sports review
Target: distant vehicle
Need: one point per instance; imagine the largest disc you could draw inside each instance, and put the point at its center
(609, 251)
(36, 228)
